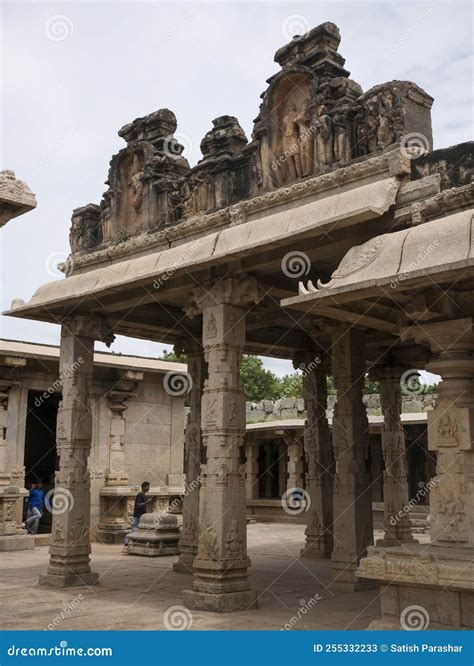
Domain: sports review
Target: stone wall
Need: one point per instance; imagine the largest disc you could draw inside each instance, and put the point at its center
(293, 408)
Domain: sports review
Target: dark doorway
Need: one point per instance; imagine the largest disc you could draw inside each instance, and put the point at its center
(41, 459)
(269, 470)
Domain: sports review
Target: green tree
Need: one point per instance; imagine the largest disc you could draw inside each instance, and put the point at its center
(290, 386)
(171, 356)
(259, 384)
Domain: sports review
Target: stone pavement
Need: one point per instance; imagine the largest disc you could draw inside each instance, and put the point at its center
(135, 592)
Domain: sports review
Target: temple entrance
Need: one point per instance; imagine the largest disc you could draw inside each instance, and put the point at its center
(272, 470)
(41, 459)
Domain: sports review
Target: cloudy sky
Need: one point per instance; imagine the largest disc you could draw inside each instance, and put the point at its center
(74, 72)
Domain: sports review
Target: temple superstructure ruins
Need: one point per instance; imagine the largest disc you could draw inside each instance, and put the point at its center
(340, 190)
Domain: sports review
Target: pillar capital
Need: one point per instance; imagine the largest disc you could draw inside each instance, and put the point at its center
(87, 326)
(229, 291)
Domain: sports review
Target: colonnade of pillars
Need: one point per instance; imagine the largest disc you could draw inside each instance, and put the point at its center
(214, 532)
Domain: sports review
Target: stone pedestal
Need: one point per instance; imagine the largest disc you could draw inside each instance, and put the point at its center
(353, 530)
(439, 578)
(220, 569)
(193, 456)
(397, 524)
(157, 535)
(114, 521)
(70, 548)
(320, 462)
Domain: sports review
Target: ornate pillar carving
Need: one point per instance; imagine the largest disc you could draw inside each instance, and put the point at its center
(353, 530)
(69, 552)
(295, 464)
(114, 523)
(12, 491)
(320, 460)
(193, 456)
(220, 569)
(397, 524)
(251, 468)
(451, 429)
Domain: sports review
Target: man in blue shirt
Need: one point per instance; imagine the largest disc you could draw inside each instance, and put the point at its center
(34, 509)
(141, 502)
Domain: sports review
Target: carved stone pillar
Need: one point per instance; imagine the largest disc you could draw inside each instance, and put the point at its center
(438, 578)
(397, 525)
(320, 462)
(69, 553)
(4, 475)
(295, 465)
(451, 433)
(251, 468)
(12, 492)
(188, 543)
(220, 569)
(114, 523)
(353, 530)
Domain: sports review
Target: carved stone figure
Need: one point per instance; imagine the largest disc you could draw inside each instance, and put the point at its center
(384, 131)
(290, 144)
(342, 148)
(135, 184)
(303, 121)
(324, 137)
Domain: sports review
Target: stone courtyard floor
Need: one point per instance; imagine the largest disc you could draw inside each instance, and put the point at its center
(135, 592)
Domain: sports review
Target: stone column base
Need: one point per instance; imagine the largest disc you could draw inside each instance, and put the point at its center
(184, 564)
(314, 551)
(422, 587)
(69, 580)
(346, 579)
(227, 602)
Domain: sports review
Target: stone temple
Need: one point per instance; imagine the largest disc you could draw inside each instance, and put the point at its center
(337, 237)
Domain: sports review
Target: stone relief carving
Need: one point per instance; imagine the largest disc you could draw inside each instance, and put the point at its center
(313, 118)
